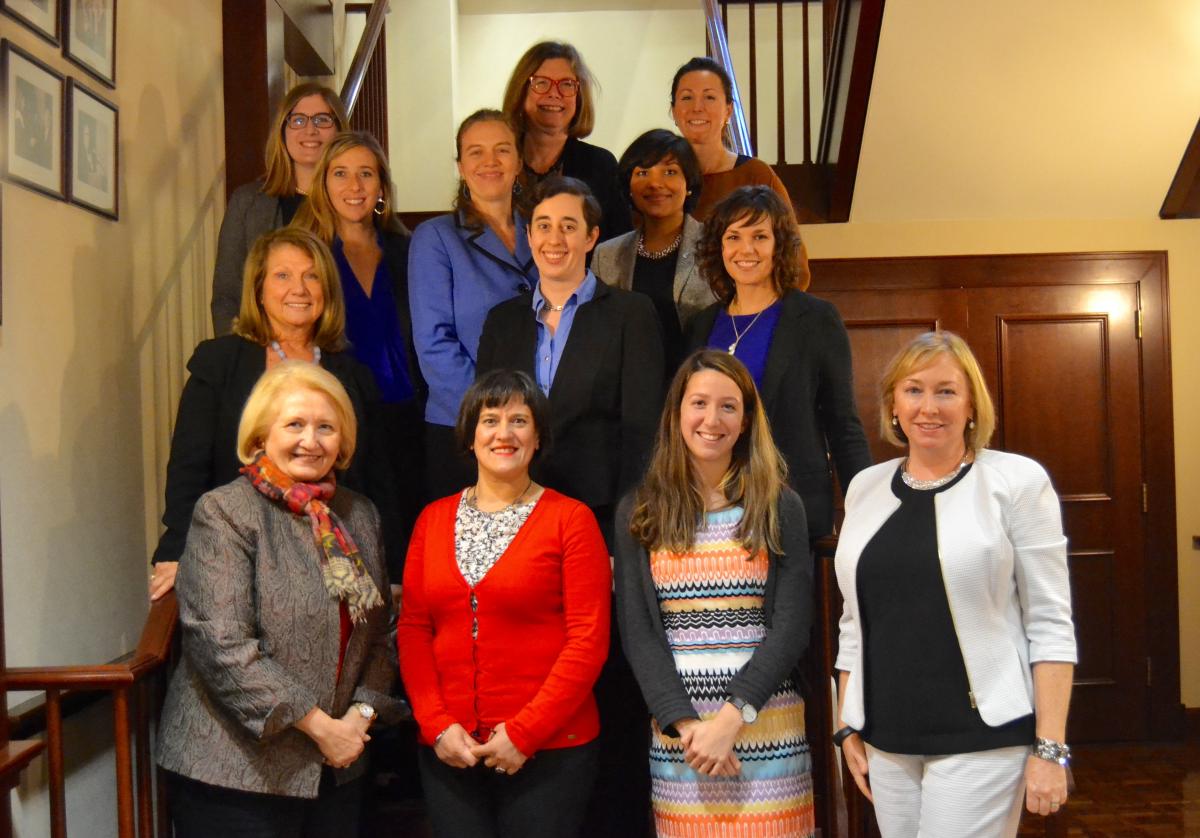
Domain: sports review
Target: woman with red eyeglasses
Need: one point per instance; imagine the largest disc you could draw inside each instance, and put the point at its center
(549, 100)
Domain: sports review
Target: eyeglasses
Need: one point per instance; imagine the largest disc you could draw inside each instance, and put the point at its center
(298, 121)
(567, 88)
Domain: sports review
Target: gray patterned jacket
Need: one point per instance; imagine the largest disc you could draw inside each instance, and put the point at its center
(260, 645)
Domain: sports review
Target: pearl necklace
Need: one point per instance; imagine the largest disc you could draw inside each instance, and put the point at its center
(937, 482)
(283, 356)
(658, 254)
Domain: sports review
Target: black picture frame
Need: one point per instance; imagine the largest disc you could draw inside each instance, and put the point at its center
(41, 22)
(33, 100)
(92, 150)
(89, 38)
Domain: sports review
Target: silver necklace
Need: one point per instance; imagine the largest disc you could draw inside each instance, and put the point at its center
(549, 306)
(937, 482)
(283, 356)
(737, 336)
(658, 254)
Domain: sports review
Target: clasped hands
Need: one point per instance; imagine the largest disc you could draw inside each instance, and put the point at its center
(708, 744)
(458, 749)
(341, 741)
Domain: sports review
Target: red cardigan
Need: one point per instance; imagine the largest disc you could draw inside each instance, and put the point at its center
(543, 612)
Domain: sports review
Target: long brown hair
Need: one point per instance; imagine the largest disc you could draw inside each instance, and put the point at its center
(584, 119)
(317, 213)
(749, 205)
(280, 180)
(669, 504)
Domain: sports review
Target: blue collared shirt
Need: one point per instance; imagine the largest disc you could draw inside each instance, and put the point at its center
(550, 345)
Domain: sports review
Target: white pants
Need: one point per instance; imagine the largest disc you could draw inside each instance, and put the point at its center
(976, 795)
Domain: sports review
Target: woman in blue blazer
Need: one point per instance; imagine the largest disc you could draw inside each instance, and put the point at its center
(957, 647)
(460, 266)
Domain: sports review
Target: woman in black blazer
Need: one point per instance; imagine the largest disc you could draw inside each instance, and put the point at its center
(595, 350)
(350, 209)
(794, 345)
(291, 309)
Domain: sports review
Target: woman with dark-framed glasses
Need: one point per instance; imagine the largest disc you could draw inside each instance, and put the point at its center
(549, 99)
(309, 116)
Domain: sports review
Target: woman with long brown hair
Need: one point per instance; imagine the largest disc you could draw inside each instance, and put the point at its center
(304, 123)
(714, 600)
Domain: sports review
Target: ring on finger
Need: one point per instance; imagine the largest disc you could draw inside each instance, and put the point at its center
(501, 770)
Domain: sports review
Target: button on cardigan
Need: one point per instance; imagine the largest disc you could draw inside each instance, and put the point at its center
(543, 620)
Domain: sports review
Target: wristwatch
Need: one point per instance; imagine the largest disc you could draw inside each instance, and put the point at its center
(749, 713)
(366, 711)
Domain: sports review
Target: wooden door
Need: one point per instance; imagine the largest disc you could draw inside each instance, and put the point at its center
(1057, 337)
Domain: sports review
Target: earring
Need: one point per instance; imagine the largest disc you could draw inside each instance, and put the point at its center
(380, 206)
(971, 425)
(466, 191)
(895, 421)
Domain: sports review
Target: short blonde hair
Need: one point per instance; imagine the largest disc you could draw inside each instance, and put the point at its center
(273, 386)
(921, 352)
(280, 178)
(518, 86)
(252, 322)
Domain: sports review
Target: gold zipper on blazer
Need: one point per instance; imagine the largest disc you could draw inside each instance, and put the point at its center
(953, 619)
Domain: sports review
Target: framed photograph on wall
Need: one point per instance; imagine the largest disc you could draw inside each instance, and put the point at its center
(33, 121)
(90, 37)
(92, 150)
(41, 16)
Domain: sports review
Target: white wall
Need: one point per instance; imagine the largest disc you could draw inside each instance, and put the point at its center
(99, 318)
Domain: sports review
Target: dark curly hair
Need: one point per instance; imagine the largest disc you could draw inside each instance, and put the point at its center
(749, 205)
(650, 149)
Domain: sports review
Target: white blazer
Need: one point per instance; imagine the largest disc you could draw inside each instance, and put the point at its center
(1004, 561)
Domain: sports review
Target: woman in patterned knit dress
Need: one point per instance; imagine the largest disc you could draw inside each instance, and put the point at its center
(714, 592)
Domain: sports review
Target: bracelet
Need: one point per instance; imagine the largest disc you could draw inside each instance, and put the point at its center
(1052, 751)
(843, 734)
(438, 738)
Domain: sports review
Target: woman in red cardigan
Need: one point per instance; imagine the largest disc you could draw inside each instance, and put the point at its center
(503, 630)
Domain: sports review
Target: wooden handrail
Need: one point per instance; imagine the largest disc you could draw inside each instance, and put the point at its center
(134, 700)
(362, 55)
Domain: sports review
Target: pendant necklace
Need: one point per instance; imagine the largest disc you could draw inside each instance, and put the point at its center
(737, 336)
(283, 356)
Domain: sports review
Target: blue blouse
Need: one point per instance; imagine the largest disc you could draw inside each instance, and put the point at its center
(755, 340)
(373, 329)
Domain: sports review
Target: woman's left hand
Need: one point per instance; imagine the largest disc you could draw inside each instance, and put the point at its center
(1045, 786)
(708, 745)
(499, 753)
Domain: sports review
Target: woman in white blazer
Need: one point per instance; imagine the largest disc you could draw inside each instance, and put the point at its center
(957, 647)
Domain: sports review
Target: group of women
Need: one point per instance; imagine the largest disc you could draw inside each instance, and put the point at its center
(618, 428)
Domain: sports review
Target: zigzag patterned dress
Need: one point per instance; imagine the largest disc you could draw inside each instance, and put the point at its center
(711, 601)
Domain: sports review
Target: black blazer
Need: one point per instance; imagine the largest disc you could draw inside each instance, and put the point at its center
(223, 371)
(808, 393)
(787, 609)
(607, 391)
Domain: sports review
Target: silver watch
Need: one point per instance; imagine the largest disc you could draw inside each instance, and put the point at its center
(1052, 751)
(748, 711)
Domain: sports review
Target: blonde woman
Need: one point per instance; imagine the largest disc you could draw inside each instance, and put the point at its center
(287, 655)
(957, 647)
(714, 599)
(304, 123)
(350, 208)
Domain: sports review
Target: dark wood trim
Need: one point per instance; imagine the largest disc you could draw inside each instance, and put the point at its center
(1148, 270)
(862, 73)
(1183, 196)
(252, 57)
(1192, 723)
(415, 217)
